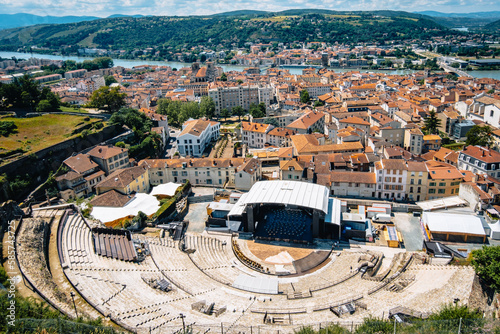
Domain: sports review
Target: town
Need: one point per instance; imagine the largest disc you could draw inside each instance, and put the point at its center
(314, 187)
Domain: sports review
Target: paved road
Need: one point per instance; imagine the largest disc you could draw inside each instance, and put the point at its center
(197, 216)
(409, 227)
(171, 146)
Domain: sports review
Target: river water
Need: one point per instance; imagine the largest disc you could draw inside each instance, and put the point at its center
(129, 63)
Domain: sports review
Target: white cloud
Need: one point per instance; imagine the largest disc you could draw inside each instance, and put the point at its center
(104, 8)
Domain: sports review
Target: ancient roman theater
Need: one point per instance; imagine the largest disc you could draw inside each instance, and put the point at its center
(274, 277)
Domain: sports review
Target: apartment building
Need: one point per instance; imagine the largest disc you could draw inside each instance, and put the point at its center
(238, 173)
(312, 121)
(486, 109)
(353, 184)
(110, 158)
(391, 179)
(480, 160)
(444, 180)
(414, 140)
(241, 95)
(196, 136)
(126, 181)
(417, 181)
(254, 135)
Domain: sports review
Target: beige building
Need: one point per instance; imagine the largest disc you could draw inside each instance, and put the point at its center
(241, 95)
(238, 173)
(417, 181)
(126, 181)
(414, 140)
(109, 158)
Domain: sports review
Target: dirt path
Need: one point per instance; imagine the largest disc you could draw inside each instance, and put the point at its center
(23, 288)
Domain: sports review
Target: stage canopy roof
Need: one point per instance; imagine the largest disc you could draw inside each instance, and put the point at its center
(298, 193)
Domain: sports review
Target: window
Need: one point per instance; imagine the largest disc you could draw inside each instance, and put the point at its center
(432, 184)
(174, 173)
(432, 191)
(208, 173)
(442, 184)
(412, 174)
(441, 191)
(418, 190)
(419, 181)
(209, 181)
(412, 181)
(411, 189)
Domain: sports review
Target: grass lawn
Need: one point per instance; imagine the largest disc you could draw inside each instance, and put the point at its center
(36, 133)
(70, 109)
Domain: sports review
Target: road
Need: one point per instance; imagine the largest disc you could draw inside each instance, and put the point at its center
(171, 146)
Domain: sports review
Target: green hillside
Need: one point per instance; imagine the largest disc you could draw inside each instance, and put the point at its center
(176, 33)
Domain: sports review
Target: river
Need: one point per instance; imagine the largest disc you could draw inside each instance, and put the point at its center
(129, 63)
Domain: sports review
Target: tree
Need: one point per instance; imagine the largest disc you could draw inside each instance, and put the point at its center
(432, 123)
(108, 98)
(7, 127)
(225, 113)
(272, 121)
(132, 118)
(318, 103)
(207, 107)
(109, 79)
(304, 96)
(479, 135)
(223, 77)
(238, 111)
(43, 106)
(486, 262)
(257, 111)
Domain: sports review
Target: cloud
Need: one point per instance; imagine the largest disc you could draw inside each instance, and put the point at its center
(104, 8)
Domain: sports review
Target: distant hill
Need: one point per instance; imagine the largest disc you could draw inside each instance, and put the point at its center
(472, 21)
(241, 13)
(23, 20)
(492, 14)
(227, 29)
(494, 26)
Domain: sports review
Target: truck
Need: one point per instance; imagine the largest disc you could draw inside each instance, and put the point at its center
(382, 218)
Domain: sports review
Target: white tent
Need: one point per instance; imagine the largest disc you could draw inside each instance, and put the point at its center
(166, 189)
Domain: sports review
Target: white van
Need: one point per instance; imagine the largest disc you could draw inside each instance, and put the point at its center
(382, 218)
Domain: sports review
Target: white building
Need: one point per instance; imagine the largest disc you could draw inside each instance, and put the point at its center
(196, 135)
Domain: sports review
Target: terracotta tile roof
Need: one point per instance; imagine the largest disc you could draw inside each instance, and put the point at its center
(194, 162)
(442, 171)
(80, 163)
(354, 120)
(106, 152)
(122, 177)
(285, 152)
(195, 127)
(255, 127)
(250, 166)
(111, 198)
(306, 121)
(297, 165)
(281, 132)
(482, 154)
(353, 177)
(394, 164)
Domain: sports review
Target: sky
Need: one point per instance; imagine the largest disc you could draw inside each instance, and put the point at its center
(104, 8)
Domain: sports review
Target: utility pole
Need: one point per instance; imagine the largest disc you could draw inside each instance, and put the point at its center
(183, 323)
(72, 294)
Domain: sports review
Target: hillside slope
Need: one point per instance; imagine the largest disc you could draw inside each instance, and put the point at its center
(228, 31)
